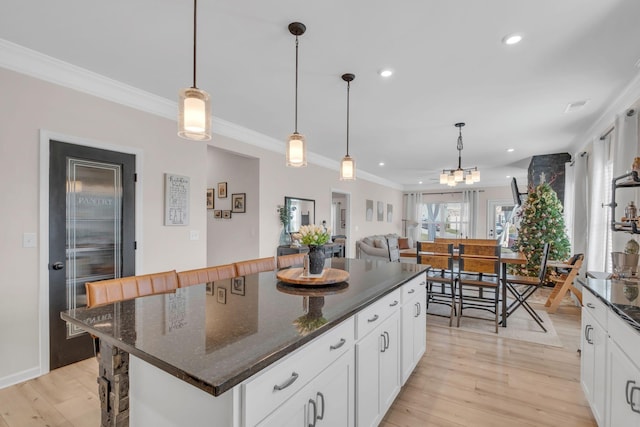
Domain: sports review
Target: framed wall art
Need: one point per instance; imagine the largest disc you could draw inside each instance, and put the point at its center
(237, 285)
(210, 193)
(238, 201)
(176, 199)
(221, 295)
(217, 213)
(226, 214)
(389, 212)
(369, 210)
(222, 190)
(380, 211)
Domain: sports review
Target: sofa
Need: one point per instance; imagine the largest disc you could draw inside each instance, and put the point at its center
(387, 247)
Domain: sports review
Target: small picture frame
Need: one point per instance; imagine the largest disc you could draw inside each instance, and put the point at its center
(238, 201)
(226, 214)
(222, 190)
(210, 193)
(217, 213)
(221, 295)
(209, 288)
(237, 285)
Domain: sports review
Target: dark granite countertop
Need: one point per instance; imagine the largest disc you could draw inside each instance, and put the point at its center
(620, 295)
(214, 336)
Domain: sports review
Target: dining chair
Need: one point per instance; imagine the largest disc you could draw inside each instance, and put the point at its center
(206, 275)
(286, 261)
(253, 266)
(125, 288)
(441, 281)
(564, 284)
(479, 280)
(523, 287)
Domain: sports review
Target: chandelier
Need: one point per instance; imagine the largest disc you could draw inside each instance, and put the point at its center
(452, 177)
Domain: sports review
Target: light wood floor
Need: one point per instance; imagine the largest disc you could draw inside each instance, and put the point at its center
(464, 379)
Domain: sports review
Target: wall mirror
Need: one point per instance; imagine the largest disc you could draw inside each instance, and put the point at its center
(303, 212)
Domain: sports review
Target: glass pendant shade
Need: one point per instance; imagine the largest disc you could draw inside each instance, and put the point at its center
(469, 179)
(444, 177)
(451, 181)
(458, 175)
(476, 175)
(194, 114)
(296, 151)
(347, 168)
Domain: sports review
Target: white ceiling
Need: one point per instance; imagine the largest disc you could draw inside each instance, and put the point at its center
(450, 66)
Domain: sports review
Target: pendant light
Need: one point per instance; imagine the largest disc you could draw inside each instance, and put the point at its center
(348, 165)
(296, 145)
(194, 105)
(453, 177)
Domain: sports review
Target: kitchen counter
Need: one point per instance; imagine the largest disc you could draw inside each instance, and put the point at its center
(620, 295)
(214, 336)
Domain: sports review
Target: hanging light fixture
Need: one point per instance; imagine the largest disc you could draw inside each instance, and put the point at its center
(194, 105)
(452, 177)
(348, 165)
(296, 145)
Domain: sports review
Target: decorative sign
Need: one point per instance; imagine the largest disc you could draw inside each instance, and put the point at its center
(176, 199)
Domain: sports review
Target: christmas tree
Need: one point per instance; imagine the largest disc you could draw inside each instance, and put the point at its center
(541, 221)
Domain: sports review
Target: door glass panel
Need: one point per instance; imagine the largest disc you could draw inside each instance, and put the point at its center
(94, 237)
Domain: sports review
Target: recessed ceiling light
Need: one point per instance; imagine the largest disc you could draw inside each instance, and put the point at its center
(419, 182)
(510, 150)
(512, 39)
(381, 164)
(386, 72)
(508, 176)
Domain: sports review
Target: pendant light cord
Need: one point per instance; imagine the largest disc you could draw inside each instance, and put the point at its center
(195, 26)
(348, 89)
(296, 114)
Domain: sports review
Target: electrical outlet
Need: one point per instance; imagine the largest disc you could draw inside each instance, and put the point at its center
(194, 235)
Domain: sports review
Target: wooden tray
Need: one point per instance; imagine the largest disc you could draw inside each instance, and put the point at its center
(329, 276)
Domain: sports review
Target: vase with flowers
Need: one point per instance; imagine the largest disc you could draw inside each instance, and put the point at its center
(314, 236)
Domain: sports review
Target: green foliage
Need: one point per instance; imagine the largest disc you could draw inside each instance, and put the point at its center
(541, 221)
(285, 215)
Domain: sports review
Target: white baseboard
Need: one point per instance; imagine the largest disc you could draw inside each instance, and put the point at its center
(19, 377)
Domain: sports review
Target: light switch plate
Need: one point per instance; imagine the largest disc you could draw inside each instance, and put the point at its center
(194, 235)
(29, 240)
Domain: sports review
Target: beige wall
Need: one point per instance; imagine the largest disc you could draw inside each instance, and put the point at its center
(29, 105)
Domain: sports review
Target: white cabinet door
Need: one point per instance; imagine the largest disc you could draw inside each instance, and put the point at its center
(624, 386)
(414, 332)
(593, 364)
(367, 379)
(389, 368)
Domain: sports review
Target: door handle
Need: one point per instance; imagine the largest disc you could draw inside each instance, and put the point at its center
(387, 340)
(321, 396)
(57, 266)
(337, 346)
(590, 305)
(373, 319)
(315, 413)
(384, 343)
(411, 291)
(394, 303)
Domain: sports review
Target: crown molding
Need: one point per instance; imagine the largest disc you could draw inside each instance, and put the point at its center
(43, 67)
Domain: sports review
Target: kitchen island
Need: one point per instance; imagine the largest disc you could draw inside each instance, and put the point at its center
(610, 371)
(253, 351)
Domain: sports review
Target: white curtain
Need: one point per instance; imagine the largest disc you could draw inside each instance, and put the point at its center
(576, 203)
(412, 210)
(600, 167)
(470, 202)
(625, 147)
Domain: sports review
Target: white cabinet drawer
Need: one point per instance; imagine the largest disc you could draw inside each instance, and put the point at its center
(369, 318)
(595, 307)
(269, 389)
(412, 287)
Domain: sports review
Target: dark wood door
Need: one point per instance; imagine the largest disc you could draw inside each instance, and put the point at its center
(91, 235)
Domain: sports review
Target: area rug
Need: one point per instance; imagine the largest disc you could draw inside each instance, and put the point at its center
(520, 326)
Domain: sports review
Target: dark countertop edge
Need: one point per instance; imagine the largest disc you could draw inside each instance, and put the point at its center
(237, 377)
(620, 312)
